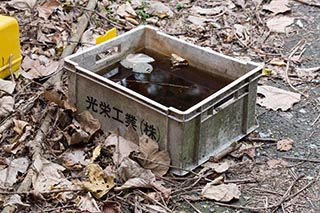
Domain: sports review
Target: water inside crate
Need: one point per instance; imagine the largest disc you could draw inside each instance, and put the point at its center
(179, 87)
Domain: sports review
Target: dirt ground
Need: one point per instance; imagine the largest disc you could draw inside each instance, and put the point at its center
(269, 180)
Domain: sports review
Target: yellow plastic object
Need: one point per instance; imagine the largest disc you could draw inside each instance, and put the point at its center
(9, 46)
(108, 35)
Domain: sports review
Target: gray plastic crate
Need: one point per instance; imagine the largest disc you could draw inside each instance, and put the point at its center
(190, 136)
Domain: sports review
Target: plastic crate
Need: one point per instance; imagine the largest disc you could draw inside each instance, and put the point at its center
(9, 46)
(190, 136)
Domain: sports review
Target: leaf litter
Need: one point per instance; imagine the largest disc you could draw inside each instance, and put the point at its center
(73, 142)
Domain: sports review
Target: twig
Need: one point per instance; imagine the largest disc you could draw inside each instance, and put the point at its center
(75, 38)
(301, 159)
(231, 148)
(309, 3)
(248, 180)
(153, 200)
(287, 70)
(315, 121)
(263, 140)
(197, 210)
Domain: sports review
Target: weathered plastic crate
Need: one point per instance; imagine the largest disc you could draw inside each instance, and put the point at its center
(190, 136)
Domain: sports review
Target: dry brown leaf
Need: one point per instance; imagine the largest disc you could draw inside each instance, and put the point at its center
(275, 163)
(33, 69)
(222, 193)
(277, 6)
(217, 167)
(177, 61)
(88, 123)
(8, 175)
(75, 135)
(98, 184)
(47, 8)
(22, 4)
(285, 144)
(19, 126)
(6, 105)
(87, 204)
(245, 149)
(201, 21)
(72, 157)
(207, 11)
(275, 98)
(159, 9)
(124, 149)
(15, 200)
(278, 62)
(111, 207)
(58, 97)
(134, 176)
(7, 86)
(126, 10)
(151, 158)
(279, 24)
(50, 177)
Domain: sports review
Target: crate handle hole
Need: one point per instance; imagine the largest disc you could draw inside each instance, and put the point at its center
(108, 53)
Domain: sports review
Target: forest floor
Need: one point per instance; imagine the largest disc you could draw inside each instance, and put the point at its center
(53, 159)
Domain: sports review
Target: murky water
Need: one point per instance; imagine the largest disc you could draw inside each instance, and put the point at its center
(179, 87)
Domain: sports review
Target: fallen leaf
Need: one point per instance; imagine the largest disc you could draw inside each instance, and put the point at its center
(111, 207)
(87, 204)
(47, 8)
(134, 175)
(49, 177)
(275, 163)
(75, 135)
(201, 21)
(177, 61)
(19, 126)
(138, 63)
(245, 149)
(275, 98)
(158, 9)
(126, 10)
(285, 144)
(217, 167)
(75, 156)
(277, 6)
(206, 11)
(22, 4)
(8, 175)
(123, 147)
(151, 158)
(278, 62)
(58, 97)
(222, 193)
(279, 24)
(96, 153)
(7, 86)
(98, 184)
(33, 69)
(88, 123)
(308, 73)
(6, 105)
(15, 200)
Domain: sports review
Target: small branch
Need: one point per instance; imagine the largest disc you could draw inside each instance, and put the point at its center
(263, 140)
(240, 181)
(315, 121)
(197, 210)
(219, 156)
(301, 159)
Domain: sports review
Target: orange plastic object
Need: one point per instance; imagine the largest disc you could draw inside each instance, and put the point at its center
(9, 46)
